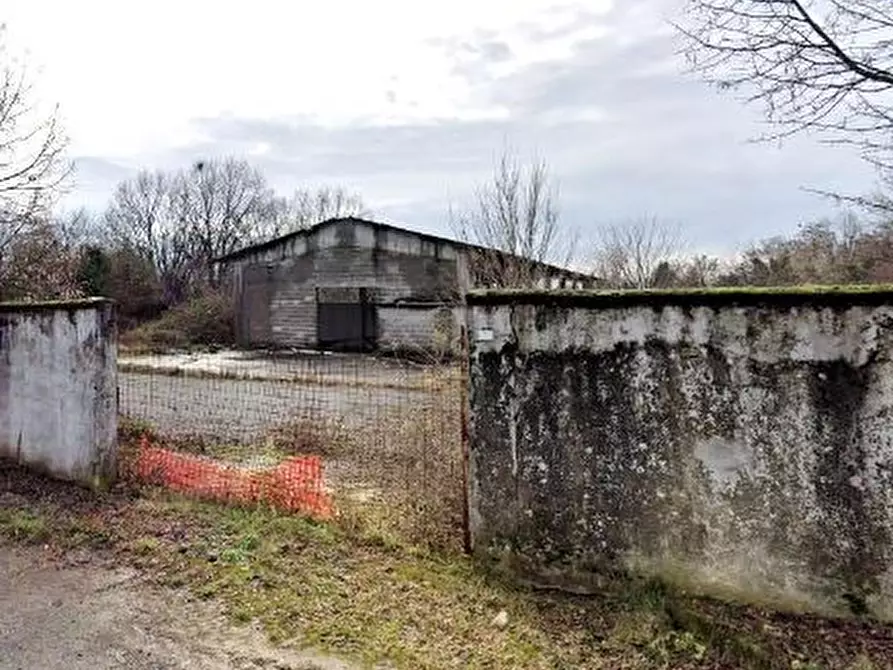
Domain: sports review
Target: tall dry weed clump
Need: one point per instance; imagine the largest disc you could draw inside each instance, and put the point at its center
(206, 320)
(404, 471)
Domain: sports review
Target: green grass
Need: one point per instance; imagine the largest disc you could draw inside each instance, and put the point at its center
(23, 525)
(351, 595)
(347, 592)
(372, 599)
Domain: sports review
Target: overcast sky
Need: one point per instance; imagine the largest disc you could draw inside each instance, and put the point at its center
(410, 102)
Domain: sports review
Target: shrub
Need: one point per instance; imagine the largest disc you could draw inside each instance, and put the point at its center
(206, 320)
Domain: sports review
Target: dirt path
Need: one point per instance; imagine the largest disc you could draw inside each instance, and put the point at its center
(92, 617)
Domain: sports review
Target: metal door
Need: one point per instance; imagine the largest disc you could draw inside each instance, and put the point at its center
(254, 310)
(345, 319)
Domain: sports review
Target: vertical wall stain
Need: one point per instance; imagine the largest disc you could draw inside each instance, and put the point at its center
(850, 536)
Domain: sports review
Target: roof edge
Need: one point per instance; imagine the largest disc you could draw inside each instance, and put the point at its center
(269, 244)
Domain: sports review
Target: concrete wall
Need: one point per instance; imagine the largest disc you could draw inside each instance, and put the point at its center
(58, 386)
(407, 327)
(738, 443)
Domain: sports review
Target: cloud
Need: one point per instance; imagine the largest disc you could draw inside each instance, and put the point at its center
(413, 112)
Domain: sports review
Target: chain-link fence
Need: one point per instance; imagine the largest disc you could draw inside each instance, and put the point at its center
(376, 441)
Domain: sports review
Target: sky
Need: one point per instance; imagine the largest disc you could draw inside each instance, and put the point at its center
(410, 104)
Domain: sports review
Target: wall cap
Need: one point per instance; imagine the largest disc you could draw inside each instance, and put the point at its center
(831, 296)
(52, 305)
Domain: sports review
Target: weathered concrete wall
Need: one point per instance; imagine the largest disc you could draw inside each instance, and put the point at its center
(58, 386)
(739, 443)
(424, 327)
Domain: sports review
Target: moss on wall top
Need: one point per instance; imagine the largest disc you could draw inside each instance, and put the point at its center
(832, 296)
(53, 305)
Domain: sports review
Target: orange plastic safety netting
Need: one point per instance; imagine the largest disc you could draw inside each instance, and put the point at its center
(296, 484)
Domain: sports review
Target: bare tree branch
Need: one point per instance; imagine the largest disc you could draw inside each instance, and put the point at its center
(32, 166)
(39, 263)
(142, 219)
(813, 65)
(637, 254)
(515, 223)
(307, 207)
(180, 222)
(220, 204)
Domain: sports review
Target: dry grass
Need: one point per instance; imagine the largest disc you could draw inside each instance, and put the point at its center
(396, 474)
(206, 320)
(402, 476)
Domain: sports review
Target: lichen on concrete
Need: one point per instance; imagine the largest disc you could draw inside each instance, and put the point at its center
(744, 449)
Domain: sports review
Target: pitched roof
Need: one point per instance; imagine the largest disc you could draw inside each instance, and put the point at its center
(275, 242)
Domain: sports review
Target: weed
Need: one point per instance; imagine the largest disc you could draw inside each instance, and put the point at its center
(131, 429)
(85, 531)
(144, 545)
(378, 600)
(23, 525)
(205, 320)
(317, 437)
(862, 662)
(798, 664)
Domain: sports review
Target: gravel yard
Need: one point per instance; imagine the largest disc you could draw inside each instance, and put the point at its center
(320, 367)
(242, 410)
(403, 439)
(239, 396)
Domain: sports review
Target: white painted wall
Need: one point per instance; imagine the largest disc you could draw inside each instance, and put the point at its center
(58, 386)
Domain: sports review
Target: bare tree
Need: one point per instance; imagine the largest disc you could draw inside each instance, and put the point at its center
(32, 166)
(307, 207)
(141, 219)
(637, 254)
(38, 264)
(828, 251)
(516, 225)
(219, 204)
(77, 228)
(181, 222)
(818, 65)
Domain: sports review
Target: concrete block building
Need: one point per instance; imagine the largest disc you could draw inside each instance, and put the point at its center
(355, 285)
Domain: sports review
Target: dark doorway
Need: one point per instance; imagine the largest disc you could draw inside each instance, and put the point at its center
(345, 319)
(254, 327)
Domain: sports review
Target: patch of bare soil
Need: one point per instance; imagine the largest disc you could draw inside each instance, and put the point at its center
(74, 606)
(90, 617)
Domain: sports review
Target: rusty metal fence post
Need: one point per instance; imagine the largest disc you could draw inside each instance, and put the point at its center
(464, 418)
